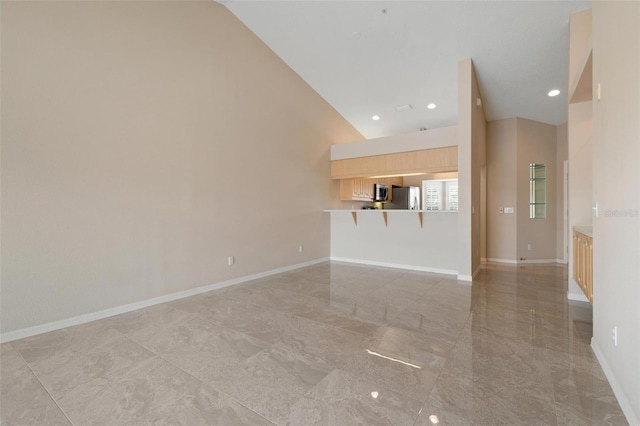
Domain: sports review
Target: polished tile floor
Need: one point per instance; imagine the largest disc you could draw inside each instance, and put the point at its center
(331, 344)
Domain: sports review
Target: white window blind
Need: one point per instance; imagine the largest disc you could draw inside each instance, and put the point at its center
(432, 195)
(440, 194)
(452, 195)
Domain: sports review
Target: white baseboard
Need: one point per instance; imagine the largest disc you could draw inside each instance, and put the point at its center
(81, 319)
(577, 297)
(469, 278)
(396, 265)
(561, 261)
(625, 404)
(515, 261)
(537, 261)
(493, 259)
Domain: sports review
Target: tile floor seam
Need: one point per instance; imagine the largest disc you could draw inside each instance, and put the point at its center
(159, 356)
(268, 345)
(42, 384)
(553, 388)
(323, 323)
(238, 402)
(447, 361)
(290, 314)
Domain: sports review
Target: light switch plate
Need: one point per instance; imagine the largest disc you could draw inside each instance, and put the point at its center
(508, 209)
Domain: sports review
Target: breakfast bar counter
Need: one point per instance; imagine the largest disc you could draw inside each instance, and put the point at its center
(423, 240)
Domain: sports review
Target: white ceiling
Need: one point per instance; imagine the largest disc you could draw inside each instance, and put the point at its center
(410, 54)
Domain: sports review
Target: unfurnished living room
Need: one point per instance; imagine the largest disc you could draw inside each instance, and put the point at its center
(319, 212)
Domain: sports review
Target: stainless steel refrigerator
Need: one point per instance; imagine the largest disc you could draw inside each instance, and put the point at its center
(404, 198)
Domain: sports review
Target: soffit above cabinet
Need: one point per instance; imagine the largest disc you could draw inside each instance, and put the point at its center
(406, 142)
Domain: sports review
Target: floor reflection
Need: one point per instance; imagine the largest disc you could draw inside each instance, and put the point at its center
(331, 344)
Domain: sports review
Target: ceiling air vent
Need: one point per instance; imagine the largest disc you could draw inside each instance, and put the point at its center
(403, 108)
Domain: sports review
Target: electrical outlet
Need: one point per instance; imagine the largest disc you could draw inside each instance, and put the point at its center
(529, 247)
(230, 260)
(300, 248)
(614, 335)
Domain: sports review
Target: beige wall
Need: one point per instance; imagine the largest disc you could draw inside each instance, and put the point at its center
(562, 154)
(478, 173)
(471, 161)
(580, 176)
(536, 144)
(579, 130)
(502, 191)
(142, 144)
(616, 188)
(580, 29)
(512, 144)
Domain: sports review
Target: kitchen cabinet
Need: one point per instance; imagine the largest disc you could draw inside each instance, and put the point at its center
(583, 262)
(356, 189)
(361, 189)
(401, 163)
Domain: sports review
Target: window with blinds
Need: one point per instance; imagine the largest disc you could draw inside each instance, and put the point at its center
(432, 195)
(452, 195)
(440, 194)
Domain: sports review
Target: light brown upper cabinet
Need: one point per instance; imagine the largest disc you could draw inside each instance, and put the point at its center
(401, 163)
(361, 189)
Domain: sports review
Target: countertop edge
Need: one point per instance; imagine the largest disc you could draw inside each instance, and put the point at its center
(392, 211)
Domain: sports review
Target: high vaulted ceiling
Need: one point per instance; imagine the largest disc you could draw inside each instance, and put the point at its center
(366, 58)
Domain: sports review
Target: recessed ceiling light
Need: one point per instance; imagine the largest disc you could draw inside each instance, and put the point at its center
(375, 117)
(554, 92)
(431, 106)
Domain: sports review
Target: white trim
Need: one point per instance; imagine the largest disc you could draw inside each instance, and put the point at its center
(82, 319)
(579, 297)
(396, 265)
(565, 212)
(465, 278)
(625, 404)
(492, 259)
(515, 262)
